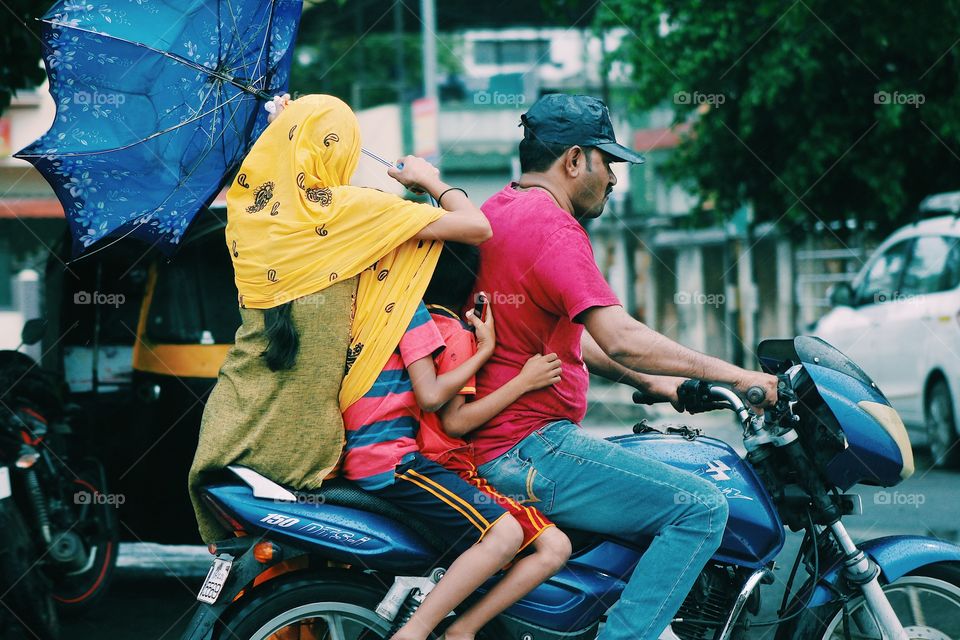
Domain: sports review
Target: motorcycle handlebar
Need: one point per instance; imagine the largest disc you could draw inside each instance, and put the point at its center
(697, 396)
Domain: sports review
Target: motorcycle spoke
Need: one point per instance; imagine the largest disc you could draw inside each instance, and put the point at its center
(335, 627)
(916, 609)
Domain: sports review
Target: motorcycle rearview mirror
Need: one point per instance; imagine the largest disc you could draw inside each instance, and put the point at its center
(33, 331)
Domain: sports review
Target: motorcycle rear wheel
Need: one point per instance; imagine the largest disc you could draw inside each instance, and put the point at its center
(927, 602)
(308, 606)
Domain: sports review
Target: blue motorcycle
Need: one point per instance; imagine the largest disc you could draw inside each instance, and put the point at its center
(342, 564)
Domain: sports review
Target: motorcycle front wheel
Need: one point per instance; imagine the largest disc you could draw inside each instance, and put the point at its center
(926, 601)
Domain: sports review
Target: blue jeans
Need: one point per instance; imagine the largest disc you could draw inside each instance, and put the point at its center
(584, 482)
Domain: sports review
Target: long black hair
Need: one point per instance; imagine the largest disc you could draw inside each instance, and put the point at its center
(283, 341)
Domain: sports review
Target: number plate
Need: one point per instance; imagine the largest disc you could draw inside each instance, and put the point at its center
(216, 578)
(5, 491)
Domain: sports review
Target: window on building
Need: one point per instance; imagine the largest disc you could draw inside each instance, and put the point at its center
(503, 52)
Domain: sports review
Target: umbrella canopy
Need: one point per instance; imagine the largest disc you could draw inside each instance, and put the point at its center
(157, 104)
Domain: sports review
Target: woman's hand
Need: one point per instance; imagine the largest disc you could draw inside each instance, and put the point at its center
(416, 174)
(279, 104)
(486, 335)
(540, 372)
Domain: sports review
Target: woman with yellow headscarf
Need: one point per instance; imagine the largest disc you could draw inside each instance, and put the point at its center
(329, 276)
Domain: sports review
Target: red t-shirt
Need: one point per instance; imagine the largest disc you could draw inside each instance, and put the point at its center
(540, 273)
(460, 345)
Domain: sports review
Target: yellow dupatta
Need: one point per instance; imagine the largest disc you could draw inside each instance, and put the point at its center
(296, 226)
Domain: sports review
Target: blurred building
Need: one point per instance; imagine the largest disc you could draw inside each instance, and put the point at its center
(31, 218)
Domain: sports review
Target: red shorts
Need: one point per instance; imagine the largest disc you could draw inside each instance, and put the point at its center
(531, 520)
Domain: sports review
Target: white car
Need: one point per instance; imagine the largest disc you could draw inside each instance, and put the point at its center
(900, 321)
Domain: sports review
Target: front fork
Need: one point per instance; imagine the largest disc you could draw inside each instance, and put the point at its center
(862, 571)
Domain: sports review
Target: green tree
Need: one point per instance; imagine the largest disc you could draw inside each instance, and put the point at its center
(809, 109)
(20, 48)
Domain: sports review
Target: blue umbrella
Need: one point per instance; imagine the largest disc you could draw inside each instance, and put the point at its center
(158, 101)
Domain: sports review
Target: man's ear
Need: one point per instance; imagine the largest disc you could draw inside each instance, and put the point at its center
(574, 161)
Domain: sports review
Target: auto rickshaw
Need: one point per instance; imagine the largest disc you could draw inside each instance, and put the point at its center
(139, 339)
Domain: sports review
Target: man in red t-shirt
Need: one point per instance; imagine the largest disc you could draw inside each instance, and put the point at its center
(540, 272)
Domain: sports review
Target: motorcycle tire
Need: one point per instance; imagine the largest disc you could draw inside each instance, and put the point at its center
(827, 623)
(77, 594)
(328, 599)
(27, 591)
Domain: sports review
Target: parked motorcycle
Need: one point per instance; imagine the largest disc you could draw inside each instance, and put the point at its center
(58, 535)
(342, 564)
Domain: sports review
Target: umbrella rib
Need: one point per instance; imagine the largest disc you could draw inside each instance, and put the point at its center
(133, 144)
(157, 241)
(165, 200)
(263, 45)
(184, 61)
(236, 28)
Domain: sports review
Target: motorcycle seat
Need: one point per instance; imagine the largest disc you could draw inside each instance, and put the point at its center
(343, 493)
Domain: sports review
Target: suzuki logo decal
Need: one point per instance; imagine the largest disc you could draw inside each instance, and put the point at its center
(716, 469)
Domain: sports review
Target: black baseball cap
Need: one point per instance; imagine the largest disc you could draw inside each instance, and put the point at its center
(582, 120)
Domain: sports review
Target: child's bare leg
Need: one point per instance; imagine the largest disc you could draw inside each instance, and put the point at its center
(552, 551)
(469, 571)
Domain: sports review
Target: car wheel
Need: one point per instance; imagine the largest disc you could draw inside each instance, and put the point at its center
(941, 428)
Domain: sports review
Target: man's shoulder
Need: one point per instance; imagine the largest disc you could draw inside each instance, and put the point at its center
(533, 211)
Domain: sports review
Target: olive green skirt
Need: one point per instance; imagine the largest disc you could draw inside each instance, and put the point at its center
(285, 424)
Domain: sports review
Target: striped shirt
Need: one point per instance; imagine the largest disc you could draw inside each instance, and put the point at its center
(381, 427)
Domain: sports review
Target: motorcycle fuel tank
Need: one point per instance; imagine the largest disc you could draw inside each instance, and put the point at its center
(754, 533)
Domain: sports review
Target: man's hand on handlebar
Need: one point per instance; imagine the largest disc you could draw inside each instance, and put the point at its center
(662, 389)
(764, 381)
(697, 396)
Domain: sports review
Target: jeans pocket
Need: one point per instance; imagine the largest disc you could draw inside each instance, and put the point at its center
(538, 490)
(516, 476)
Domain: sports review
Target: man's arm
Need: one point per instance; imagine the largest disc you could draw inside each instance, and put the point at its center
(636, 347)
(604, 366)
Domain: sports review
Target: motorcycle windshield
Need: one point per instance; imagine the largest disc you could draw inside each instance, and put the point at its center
(877, 449)
(776, 356)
